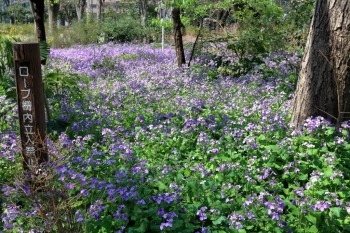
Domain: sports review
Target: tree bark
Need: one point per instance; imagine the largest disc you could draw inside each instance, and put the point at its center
(80, 7)
(38, 9)
(89, 14)
(99, 10)
(61, 17)
(195, 42)
(143, 12)
(222, 18)
(180, 53)
(53, 8)
(323, 87)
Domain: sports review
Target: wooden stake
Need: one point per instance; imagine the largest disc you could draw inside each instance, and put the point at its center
(30, 99)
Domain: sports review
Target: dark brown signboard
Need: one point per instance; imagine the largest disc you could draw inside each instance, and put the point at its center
(30, 98)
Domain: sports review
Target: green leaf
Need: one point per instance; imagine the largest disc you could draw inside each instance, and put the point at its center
(311, 219)
(303, 177)
(328, 172)
(219, 220)
(143, 226)
(161, 186)
(177, 223)
(335, 211)
(44, 50)
(313, 229)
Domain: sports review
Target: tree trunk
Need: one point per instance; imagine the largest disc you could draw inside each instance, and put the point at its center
(12, 19)
(180, 53)
(53, 8)
(323, 87)
(89, 14)
(62, 18)
(38, 13)
(80, 7)
(99, 10)
(143, 12)
(222, 18)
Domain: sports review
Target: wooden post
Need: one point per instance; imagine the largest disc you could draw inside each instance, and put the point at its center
(30, 99)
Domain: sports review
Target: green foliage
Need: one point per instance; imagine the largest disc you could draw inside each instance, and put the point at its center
(298, 15)
(263, 27)
(81, 32)
(146, 158)
(19, 13)
(6, 66)
(259, 32)
(23, 32)
(123, 28)
(44, 50)
(56, 85)
(118, 28)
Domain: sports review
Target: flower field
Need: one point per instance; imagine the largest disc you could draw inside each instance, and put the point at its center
(149, 147)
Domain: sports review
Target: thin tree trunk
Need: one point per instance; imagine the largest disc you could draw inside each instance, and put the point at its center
(89, 14)
(143, 12)
(223, 18)
(62, 19)
(195, 42)
(180, 53)
(99, 11)
(323, 87)
(53, 9)
(80, 7)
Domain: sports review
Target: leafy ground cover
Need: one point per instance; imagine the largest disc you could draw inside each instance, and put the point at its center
(150, 147)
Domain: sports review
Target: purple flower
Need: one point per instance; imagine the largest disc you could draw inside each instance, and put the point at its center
(203, 230)
(274, 216)
(160, 211)
(84, 192)
(169, 217)
(235, 220)
(299, 192)
(141, 202)
(251, 216)
(322, 205)
(79, 216)
(201, 213)
(168, 223)
(9, 215)
(95, 209)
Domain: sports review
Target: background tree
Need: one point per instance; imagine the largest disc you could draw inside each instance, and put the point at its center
(38, 9)
(143, 11)
(177, 25)
(323, 87)
(195, 11)
(99, 9)
(53, 7)
(17, 13)
(80, 6)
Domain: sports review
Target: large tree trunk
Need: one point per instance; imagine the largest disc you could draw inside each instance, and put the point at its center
(38, 13)
(180, 53)
(323, 87)
(53, 8)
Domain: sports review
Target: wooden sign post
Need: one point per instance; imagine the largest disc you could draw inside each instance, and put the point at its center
(30, 98)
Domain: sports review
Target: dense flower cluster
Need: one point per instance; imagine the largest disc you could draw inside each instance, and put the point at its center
(153, 147)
